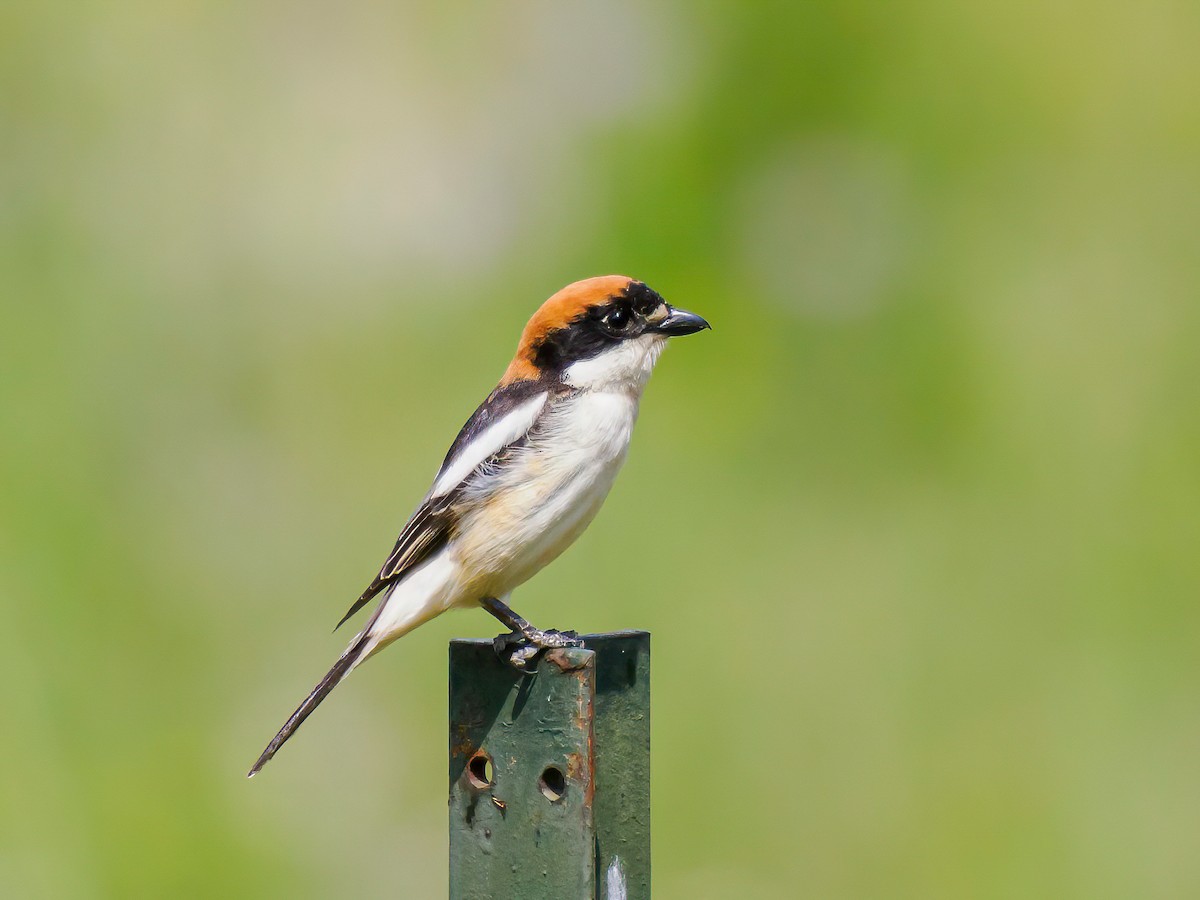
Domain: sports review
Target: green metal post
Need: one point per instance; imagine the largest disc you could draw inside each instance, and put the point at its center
(550, 773)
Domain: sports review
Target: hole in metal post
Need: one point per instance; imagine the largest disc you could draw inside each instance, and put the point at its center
(553, 783)
(480, 771)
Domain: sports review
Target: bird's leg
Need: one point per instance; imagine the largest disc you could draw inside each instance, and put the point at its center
(521, 646)
(518, 625)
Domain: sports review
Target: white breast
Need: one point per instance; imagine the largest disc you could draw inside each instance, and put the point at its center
(550, 494)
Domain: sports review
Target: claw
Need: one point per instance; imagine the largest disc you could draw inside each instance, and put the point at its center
(554, 638)
(521, 651)
(514, 649)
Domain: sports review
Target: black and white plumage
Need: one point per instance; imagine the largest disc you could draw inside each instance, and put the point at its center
(526, 474)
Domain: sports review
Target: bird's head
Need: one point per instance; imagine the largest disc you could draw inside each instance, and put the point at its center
(604, 332)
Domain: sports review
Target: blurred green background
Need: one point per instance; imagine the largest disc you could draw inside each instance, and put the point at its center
(938, 461)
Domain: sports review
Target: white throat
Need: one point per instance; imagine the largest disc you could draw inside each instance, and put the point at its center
(625, 367)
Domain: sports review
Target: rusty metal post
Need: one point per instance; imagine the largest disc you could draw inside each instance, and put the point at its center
(550, 773)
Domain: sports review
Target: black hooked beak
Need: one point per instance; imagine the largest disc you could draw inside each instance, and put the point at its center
(680, 321)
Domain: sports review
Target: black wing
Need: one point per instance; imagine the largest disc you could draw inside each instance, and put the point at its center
(425, 533)
(432, 524)
(499, 403)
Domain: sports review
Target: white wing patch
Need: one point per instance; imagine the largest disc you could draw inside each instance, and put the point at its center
(511, 427)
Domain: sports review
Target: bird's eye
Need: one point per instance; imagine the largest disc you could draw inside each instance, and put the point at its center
(618, 319)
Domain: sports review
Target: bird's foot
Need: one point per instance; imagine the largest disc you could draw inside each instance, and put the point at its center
(552, 639)
(521, 649)
(515, 650)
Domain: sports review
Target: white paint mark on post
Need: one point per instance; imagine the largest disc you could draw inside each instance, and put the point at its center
(614, 881)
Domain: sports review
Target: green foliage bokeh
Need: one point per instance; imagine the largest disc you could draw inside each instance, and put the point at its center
(914, 527)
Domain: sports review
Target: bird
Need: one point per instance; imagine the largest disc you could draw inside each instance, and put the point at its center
(523, 478)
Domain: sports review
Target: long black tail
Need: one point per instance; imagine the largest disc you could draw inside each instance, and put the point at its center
(340, 670)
